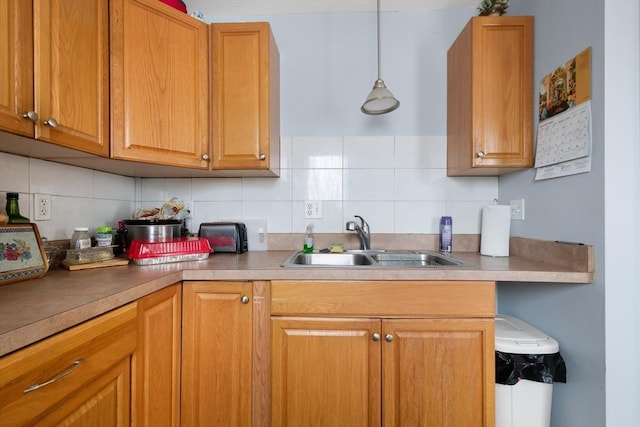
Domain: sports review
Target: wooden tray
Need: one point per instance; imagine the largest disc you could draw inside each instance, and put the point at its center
(109, 263)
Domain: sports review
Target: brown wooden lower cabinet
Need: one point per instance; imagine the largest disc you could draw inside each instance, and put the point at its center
(157, 363)
(79, 377)
(336, 363)
(217, 354)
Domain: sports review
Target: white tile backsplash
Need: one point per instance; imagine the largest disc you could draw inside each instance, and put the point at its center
(368, 152)
(413, 152)
(316, 152)
(368, 184)
(317, 184)
(398, 184)
(15, 174)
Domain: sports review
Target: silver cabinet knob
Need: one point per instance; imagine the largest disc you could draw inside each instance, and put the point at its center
(205, 157)
(244, 299)
(51, 122)
(388, 338)
(480, 154)
(375, 337)
(31, 115)
(262, 156)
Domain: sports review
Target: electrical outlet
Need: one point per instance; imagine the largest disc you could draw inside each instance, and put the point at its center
(313, 209)
(42, 206)
(517, 209)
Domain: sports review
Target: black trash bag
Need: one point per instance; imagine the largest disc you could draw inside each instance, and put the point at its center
(543, 368)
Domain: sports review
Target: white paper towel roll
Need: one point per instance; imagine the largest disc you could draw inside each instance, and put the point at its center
(496, 224)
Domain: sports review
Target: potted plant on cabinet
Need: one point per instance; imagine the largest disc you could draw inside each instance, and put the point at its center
(493, 7)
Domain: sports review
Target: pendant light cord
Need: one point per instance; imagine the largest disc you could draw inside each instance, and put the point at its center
(378, 33)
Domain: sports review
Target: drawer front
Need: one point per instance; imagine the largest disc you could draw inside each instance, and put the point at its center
(384, 298)
(35, 380)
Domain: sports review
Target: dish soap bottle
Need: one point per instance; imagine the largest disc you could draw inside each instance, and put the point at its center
(13, 210)
(307, 247)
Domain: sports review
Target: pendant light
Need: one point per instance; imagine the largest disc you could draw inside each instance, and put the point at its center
(380, 100)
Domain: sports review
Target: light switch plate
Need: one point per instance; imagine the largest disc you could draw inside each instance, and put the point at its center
(517, 209)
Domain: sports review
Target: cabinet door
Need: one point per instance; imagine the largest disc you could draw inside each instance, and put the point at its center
(104, 402)
(217, 354)
(16, 72)
(159, 84)
(71, 51)
(490, 97)
(325, 372)
(245, 97)
(438, 373)
(157, 362)
(81, 375)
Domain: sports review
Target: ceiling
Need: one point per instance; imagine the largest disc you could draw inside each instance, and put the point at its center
(272, 7)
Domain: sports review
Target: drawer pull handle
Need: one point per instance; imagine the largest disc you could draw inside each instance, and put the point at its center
(61, 375)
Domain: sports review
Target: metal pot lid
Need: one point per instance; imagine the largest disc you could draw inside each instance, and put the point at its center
(151, 221)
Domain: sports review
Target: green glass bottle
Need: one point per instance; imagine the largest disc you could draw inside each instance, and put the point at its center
(13, 210)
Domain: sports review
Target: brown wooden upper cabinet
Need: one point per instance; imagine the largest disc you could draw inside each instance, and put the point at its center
(159, 85)
(245, 98)
(55, 84)
(489, 97)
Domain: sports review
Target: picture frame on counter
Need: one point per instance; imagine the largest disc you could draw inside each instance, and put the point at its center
(22, 254)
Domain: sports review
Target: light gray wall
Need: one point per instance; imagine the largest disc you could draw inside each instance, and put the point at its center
(328, 66)
(573, 209)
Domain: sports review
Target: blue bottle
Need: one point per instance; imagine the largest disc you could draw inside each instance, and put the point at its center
(446, 234)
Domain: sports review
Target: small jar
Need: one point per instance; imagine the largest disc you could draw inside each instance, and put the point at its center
(80, 238)
(104, 236)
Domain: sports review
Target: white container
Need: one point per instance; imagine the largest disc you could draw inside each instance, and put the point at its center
(495, 229)
(527, 403)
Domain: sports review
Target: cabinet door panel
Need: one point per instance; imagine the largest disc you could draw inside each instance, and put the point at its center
(326, 372)
(16, 73)
(160, 84)
(217, 354)
(157, 362)
(503, 94)
(438, 373)
(71, 51)
(245, 97)
(74, 369)
(104, 402)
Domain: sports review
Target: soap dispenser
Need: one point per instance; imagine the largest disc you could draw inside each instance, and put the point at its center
(307, 247)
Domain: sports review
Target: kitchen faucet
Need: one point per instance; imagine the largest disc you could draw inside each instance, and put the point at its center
(363, 232)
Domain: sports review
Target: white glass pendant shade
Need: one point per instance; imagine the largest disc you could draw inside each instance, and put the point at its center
(380, 100)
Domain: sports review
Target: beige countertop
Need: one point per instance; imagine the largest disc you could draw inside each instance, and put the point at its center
(35, 309)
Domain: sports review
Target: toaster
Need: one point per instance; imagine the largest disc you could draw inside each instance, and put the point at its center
(228, 237)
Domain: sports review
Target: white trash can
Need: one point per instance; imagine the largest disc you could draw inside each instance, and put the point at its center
(527, 364)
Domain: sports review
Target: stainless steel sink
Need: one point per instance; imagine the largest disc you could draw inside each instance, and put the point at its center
(415, 259)
(328, 259)
(372, 259)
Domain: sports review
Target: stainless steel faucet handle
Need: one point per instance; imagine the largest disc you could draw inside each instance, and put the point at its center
(351, 226)
(363, 223)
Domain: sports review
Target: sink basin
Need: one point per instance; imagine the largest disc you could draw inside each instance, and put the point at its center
(416, 259)
(328, 259)
(372, 259)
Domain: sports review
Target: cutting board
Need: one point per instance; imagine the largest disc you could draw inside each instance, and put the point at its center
(99, 264)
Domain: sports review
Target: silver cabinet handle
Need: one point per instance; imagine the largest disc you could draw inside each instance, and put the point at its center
(480, 154)
(388, 338)
(51, 122)
(205, 157)
(244, 299)
(73, 367)
(375, 337)
(262, 156)
(31, 115)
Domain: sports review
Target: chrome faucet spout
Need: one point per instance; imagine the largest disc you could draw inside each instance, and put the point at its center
(362, 230)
